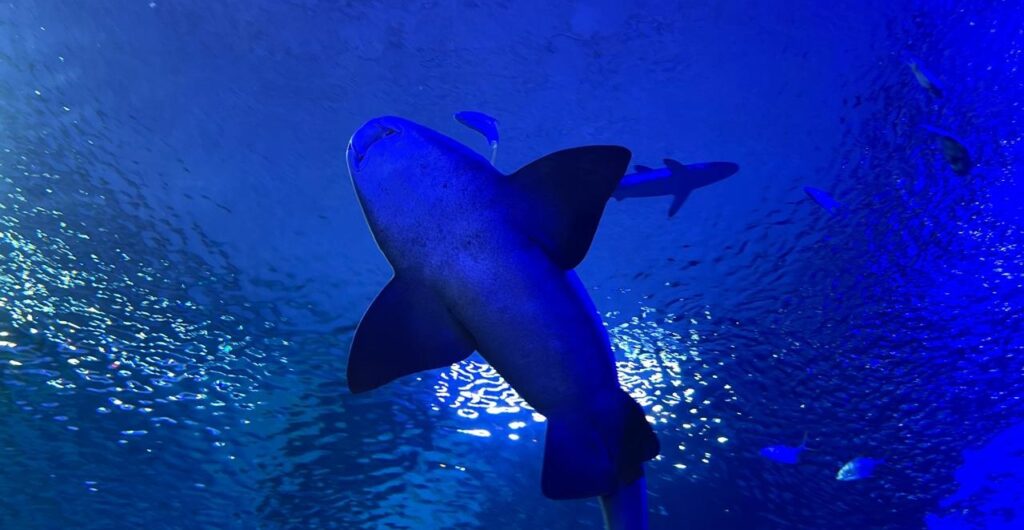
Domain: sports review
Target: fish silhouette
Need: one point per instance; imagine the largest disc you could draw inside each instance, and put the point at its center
(785, 454)
(675, 179)
(859, 468)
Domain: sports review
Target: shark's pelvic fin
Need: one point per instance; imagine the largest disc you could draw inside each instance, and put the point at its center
(683, 190)
(596, 451)
(407, 329)
(563, 197)
(677, 202)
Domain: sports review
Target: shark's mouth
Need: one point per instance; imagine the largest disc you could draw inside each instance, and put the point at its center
(367, 135)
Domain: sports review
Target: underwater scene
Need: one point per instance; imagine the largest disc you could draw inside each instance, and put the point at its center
(641, 264)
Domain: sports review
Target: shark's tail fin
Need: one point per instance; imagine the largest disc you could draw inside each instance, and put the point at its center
(686, 178)
(597, 450)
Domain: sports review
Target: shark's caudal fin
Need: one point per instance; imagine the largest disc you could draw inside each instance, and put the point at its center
(561, 198)
(594, 452)
(407, 329)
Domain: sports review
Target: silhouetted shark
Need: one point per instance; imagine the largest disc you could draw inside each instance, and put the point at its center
(484, 261)
(674, 179)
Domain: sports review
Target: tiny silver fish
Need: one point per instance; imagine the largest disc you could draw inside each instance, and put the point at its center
(859, 468)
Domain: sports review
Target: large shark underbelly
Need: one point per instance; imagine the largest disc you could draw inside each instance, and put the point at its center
(533, 322)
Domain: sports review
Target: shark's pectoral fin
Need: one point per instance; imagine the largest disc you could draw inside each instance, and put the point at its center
(596, 451)
(677, 202)
(407, 329)
(563, 197)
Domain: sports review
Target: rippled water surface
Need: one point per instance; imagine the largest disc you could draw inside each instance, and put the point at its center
(183, 261)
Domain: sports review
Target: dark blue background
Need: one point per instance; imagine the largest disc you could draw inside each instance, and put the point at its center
(183, 260)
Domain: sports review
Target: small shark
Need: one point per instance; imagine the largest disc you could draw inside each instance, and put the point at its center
(785, 454)
(859, 468)
(484, 262)
(674, 179)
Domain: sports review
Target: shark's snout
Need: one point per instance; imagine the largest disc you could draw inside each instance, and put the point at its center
(369, 134)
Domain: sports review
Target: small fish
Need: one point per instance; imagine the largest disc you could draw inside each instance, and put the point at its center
(483, 124)
(858, 468)
(785, 454)
(824, 200)
(953, 150)
(923, 76)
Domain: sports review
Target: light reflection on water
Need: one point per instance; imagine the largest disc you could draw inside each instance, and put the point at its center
(660, 368)
(124, 365)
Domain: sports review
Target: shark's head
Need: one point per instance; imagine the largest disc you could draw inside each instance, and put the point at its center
(388, 143)
(401, 171)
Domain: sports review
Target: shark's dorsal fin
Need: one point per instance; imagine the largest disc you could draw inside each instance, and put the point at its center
(407, 329)
(563, 196)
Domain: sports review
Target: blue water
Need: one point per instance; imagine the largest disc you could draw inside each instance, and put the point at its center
(183, 261)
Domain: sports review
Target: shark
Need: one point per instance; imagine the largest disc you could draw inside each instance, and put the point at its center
(484, 262)
(675, 179)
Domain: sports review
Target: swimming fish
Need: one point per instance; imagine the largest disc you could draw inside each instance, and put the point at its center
(953, 150)
(858, 468)
(785, 454)
(484, 262)
(923, 76)
(674, 179)
(483, 124)
(824, 200)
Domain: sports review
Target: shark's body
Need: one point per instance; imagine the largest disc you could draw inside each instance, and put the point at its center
(483, 261)
(674, 179)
